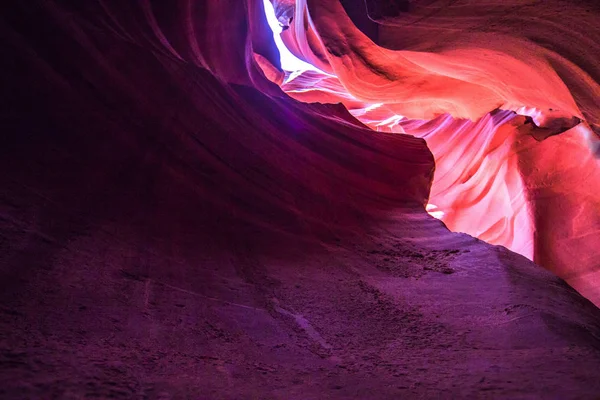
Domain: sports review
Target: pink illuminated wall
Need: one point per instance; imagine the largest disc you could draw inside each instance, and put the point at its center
(486, 105)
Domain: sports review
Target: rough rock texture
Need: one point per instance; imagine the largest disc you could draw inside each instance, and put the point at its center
(479, 81)
(174, 226)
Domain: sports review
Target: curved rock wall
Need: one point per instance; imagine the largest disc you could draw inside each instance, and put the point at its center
(459, 74)
(173, 225)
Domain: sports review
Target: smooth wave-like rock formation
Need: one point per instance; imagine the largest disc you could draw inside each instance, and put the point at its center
(478, 82)
(175, 226)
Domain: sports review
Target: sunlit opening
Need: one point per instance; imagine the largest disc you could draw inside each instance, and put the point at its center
(289, 62)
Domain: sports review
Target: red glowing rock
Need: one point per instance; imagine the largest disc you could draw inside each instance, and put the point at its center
(482, 184)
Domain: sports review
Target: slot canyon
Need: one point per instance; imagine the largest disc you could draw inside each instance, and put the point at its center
(300, 199)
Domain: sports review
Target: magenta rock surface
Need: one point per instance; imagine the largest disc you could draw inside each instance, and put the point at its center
(174, 225)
